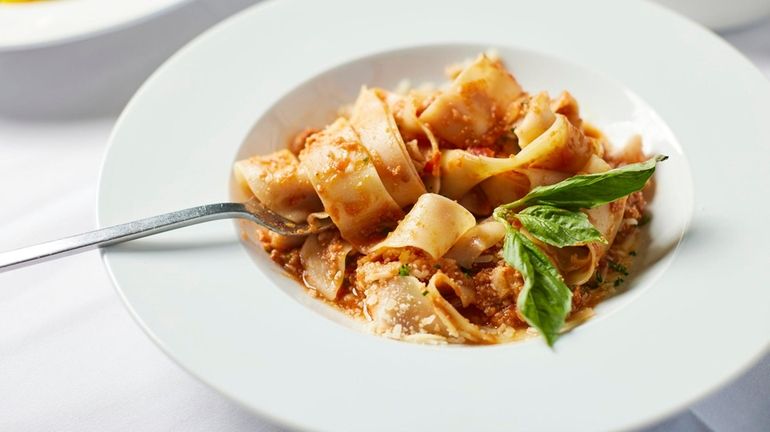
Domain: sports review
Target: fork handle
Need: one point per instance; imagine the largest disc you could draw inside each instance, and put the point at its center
(120, 233)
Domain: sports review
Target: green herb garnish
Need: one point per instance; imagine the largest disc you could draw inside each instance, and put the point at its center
(618, 281)
(551, 214)
(403, 270)
(559, 227)
(632, 253)
(590, 190)
(424, 293)
(617, 267)
(545, 299)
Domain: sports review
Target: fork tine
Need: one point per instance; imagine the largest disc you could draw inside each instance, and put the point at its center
(279, 224)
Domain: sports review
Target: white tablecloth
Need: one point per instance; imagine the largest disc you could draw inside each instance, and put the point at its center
(71, 357)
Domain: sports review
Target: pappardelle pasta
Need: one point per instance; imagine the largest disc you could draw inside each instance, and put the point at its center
(472, 213)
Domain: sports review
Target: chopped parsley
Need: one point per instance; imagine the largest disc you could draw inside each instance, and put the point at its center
(632, 253)
(618, 281)
(617, 267)
(595, 283)
(645, 219)
(424, 293)
(403, 270)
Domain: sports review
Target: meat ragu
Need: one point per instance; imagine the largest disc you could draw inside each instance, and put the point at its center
(441, 232)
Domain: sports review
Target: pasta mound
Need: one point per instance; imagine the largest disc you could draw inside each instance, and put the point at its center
(410, 178)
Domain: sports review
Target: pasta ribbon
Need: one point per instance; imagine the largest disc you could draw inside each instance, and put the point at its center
(537, 119)
(475, 241)
(399, 303)
(475, 110)
(567, 105)
(414, 131)
(323, 259)
(378, 132)
(434, 224)
(461, 171)
(578, 263)
(457, 326)
(403, 307)
(509, 186)
(342, 173)
(279, 183)
(562, 147)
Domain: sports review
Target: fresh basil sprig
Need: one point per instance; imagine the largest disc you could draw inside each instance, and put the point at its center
(545, 300)
(559, 227)
(551, 215)
(591, 190)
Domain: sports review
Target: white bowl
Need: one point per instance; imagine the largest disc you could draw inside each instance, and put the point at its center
(232, 319)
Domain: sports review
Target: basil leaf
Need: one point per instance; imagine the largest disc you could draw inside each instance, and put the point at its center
(544, 301)
(591, 190)
(559, 227)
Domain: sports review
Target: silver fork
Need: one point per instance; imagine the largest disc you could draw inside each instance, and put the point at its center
(251, 210)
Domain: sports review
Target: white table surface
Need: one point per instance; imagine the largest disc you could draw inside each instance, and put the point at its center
(71, 357)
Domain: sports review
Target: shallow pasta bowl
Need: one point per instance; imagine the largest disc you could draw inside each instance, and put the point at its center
(230, 317)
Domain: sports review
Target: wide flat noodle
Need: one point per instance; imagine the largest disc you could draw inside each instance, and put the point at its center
(378, 132)
(279, 183)
(476, 109)
(433, 167)
(405, 308)
(317, 219)
(399, 306)
(562, 147)
(476, 202)
(632, 152)
(578, 263)
(404, 108)
(323, 260)
(456, 325)
(509, 186)
(462, 170)
(342, 173)
(434, 224)
(475, 241)
(567, 105)
(444, 284)
(537, 119)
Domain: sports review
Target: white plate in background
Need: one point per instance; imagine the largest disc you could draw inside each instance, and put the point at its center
(40, 23)
(721, 14)
(695, 316)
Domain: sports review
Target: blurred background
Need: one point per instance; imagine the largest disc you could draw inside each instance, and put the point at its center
(70, 357)
(94, 72)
